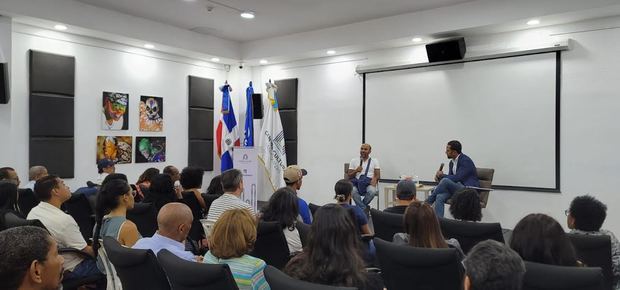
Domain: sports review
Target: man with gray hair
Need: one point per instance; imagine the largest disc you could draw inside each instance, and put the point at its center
(492, 265)
(232, 183)
(35, 173)
(405, 194)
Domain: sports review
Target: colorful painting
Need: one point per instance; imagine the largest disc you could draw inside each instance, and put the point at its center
(115, 115)
(151, 114)
(115, 148)
(150, 149)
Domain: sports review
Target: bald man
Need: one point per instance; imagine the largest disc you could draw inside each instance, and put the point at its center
(35, 173)
(174, 222)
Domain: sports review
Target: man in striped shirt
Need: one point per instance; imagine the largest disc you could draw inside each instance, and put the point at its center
(232, 183)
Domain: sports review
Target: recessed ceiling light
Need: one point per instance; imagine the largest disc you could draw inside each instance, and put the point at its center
(215, 59)
(263, 61)
(533, 22)
(60, 27)
(330, 52)
(149, 46)
(416, 39)
(248, 14)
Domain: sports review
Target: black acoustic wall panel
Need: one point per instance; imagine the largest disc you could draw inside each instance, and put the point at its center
(287, 103)
(5, 91)
(200, 127)
(257, 106)
(51, 116)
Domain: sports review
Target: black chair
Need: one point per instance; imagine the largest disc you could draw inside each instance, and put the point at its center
(137, 269)
(10, 219)
(313, 208)
(196, 233)
(304, 233)
(595, 251)
(271, 245)
(79, 208)
(410, 268)
(209, 198)
(185, 275)
(144, 215)
(470, 233)
(386, 224)
(550, 277)
(27, 200)
(280, 281)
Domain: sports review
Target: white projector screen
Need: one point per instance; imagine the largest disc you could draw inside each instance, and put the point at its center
(502, 110)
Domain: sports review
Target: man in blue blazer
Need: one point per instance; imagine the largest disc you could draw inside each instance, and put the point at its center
(461, 173)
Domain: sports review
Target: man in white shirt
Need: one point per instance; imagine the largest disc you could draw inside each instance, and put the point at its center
(364, 172)
(105, 167)
(53, 192)
(232, 183)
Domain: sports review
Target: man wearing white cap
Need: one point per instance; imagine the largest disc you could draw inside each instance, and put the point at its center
(293, 176)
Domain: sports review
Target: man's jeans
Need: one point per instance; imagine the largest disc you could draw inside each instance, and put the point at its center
(371, 192)
(85, 269)
(442, 192)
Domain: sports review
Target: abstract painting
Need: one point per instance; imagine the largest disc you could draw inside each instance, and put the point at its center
(114, 113)
(151, 114)
(115, 148)
(150, 149)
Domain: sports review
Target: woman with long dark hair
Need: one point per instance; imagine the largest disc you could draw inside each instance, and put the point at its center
(113, 200)
(161, 191)
(540, 238)
(332, 255)
(283, 208)
(8, 197)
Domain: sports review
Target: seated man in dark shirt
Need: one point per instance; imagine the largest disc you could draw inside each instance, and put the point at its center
(405, 194)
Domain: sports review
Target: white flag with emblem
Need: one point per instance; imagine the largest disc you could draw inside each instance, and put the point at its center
(273, 155)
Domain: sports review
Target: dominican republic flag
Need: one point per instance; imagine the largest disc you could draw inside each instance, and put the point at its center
(273, 154)
(248, 137)
(227, 135)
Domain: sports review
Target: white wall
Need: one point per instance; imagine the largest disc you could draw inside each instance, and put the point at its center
(330, 102)
(103, 66)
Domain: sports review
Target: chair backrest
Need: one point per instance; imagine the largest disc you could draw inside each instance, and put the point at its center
(186, 275)
(137, 269)
(271, 245)
(386, 224)
(470, 233)
(550, 277)
(79, 208)
(10, 219)
(409, 268)
(144, 215)
(27, 200)
(196, 232)
(313, 208)
(304, 233)
(209, 198)
(595, 251)
(485, 176)
(113, 281)
(280, 281)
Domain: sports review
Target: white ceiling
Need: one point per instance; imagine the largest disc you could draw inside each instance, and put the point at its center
(273, 17)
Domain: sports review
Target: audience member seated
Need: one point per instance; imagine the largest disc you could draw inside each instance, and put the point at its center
(215, 186)
(332, 255)
(114, 199)
(283, 208)
(174, 174)
(35, 173)
(161, 191)
(585, 217)
(231, 240)
(29, 259)
(465, 205)
(104, 167)
(423, 231)
(144, 183)
(232, 183)
(293, 176)
(174, 221)
(492, 265)
(405, 194)
(539, 238)
(8, 173)
(53, 192)
(114, 176)
(343, 189)
(191, 180)
(8, 198)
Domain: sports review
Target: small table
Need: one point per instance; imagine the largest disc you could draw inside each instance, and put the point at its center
(389, 192)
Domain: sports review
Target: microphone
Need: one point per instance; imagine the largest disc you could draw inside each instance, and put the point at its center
(441, 167)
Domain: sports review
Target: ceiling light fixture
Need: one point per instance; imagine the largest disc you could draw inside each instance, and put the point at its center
(248, 14)
(263, 61)
(331, 52)
(215, 59)
(60, 27)
(533, 22)
(416, 39)
(149, 46)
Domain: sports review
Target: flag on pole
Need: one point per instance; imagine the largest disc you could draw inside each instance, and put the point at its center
(248, 137)
(227, 135)
(273, 155)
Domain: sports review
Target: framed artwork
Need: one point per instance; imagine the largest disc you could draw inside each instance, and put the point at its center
(150, 149)
(151, 114)
(114, 113)
(115, 148)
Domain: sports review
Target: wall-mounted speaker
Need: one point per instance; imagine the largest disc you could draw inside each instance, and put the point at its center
(257, 106)
(5, 92)
(453, 49)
